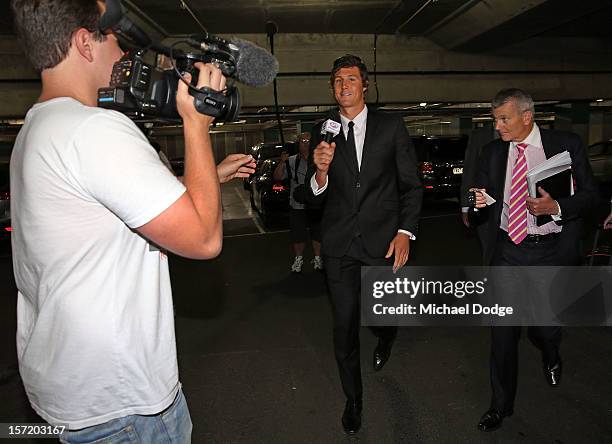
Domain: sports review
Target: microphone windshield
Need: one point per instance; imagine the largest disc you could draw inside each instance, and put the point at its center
(254, 65)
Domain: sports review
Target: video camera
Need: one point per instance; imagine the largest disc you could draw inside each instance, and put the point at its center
(140, 90)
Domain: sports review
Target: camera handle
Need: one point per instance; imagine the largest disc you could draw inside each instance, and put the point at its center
(216, 103)
(208, 101)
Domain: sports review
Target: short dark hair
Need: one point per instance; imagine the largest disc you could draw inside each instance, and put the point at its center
(45, 27)
(523, 100)
(303, 135)
(348, 61)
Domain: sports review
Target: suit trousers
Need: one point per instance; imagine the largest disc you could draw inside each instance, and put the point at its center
(344, 283)
(504, 340)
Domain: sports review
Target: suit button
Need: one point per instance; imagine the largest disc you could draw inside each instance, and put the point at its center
(357, 185)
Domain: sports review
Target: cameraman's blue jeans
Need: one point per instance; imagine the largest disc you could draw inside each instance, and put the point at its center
(171, 426)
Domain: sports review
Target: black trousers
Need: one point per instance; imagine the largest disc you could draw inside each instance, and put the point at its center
(344, 282)
(504, 340)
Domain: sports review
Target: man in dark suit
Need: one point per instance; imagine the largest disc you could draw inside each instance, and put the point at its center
(478, 139)
(513, 236)
(366, 180)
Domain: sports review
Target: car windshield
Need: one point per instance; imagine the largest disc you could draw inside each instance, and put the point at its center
(442, 149)
(268, 150)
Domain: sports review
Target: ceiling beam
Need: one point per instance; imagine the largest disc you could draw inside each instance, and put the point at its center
(475, 18)
(548, 16)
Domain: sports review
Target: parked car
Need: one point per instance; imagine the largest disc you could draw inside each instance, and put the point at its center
(600, 156)
(5, 203)
(268, 196)
(440, 163)
(264, 151)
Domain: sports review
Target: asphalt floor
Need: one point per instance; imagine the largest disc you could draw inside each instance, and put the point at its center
(257, 364)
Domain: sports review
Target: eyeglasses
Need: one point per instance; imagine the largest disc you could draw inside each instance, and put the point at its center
(305, 140)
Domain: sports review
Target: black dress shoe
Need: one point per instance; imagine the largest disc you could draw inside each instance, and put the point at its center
(351, 418)
(553, 373)
(382, 353)
(492, 420)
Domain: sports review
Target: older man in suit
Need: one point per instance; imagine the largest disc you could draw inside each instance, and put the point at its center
(366, 180)
(513, 235)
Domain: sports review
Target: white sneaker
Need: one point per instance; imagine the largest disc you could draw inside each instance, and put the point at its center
(317, 263)
(297, 264)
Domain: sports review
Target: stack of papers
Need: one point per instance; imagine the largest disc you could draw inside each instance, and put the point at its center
(551, 167)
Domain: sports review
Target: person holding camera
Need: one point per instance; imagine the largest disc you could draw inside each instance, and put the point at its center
(93, 207)
(301, 219)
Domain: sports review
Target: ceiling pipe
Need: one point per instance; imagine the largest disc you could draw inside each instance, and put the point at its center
(272, 29)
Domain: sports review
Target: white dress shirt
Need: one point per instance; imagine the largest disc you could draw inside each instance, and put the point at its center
(535, 155)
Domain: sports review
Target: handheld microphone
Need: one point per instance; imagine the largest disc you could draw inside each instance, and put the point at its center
(330, 129)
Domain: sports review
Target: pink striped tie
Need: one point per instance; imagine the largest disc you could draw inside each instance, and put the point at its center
(517, 220)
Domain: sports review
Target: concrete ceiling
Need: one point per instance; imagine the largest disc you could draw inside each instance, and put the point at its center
(435, 51)
(466, 25)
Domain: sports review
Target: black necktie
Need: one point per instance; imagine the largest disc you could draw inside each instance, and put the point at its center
(352, 152)
(350, 144)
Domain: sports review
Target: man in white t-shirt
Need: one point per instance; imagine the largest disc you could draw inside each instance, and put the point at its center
(91, 202)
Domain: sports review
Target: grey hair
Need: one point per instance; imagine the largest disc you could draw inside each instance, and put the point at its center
(522, 99)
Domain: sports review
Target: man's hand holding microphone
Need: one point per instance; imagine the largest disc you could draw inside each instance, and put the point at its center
(324, 152)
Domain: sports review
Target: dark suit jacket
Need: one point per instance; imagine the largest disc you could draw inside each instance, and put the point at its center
(383, 197)
(492, 177)
(478, 139)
